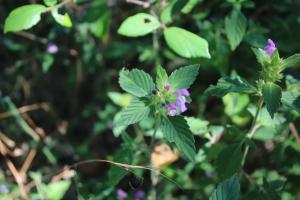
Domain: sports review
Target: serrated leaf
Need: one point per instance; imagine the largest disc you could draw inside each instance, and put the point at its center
(272, 97)
(291, 61)
(23, 17)
(134, 112)
(56, 190)
(161, 78)
(185, 43)
(184, 77)
(63, 20)
(176, 130)
(235, 27)
(120, 99)
(136, 82)
(227, 190)
(291, 99)
(226, 85)
(138, 25)
(229, 160)
(50, 2)
(261, 56)
(197, 126)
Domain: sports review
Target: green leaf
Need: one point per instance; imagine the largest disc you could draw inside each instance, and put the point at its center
(226, 85)
(227, 190)
(63, 20)
(235, 27)
(134, 112)
(185, 43)
(136, 82)
(291, 99)
(50, 2)
(23, 17)
(138, 25)
(161, 78)
(184, 77)
(291, 61)
(173, 8)
(188, 7)
(197, 126)
(56, 190)
(229, 160)
(120, 99)
(261, 56)
(176, 130)
(272, 97)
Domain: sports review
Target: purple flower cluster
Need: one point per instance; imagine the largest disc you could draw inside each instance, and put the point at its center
(52, 48)
(4, 188)
(181, 100)
(137, 195)
(270, 47)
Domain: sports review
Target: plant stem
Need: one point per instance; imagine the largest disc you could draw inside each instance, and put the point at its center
(253, 129)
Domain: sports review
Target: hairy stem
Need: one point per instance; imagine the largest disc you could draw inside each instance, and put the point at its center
(253, 129)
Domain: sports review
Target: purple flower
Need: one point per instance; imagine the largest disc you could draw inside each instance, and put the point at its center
(167, 86)
(270, 47)
(52, 48)
(4, 188)
(121, 194)
(139, 195)
(180, 105)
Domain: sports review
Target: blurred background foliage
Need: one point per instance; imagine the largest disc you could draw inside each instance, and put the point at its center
(68, 99)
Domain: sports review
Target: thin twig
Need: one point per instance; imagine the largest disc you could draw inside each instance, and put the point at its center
(144, 4)
(294, 132)
(28, 161)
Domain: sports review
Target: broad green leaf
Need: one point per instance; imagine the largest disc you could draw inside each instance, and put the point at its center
(227, 190)
(185, 43)
(56, 190)
(292, 83)
(172, 9)
(161, 78)
(291, 99)
(50, 2)
(235, 27)
(23, 17)
(176, 130)
(134, 112)
(120, 99)
(63, 20)
(48, 61)
(197, 126)
(136, 82)
(261, 56)
(272, 97)
(188, 7)
(184, 77)
(291, 61)
(229, 160)
(138, 25)
(226, 85)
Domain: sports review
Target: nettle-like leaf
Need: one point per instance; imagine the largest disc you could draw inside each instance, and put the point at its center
(291, 61)
(63, 20)
(136, 111)
(57, 190)
(291, 99)
(23, 17)
(176, 130)
(185, 43)
(229, 160)
(136, 82)
(272, 97)
(226, 85)
(139, 25)
(235, 27)
(261, 56)
(227, 190)
(184, 77)
(161, 78)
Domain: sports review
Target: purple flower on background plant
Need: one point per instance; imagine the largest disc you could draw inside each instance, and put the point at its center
(121, 194)
(270, 47)
(180, 105)
(52, 48)
(139, 195)
(4, 188)
(167, 86)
